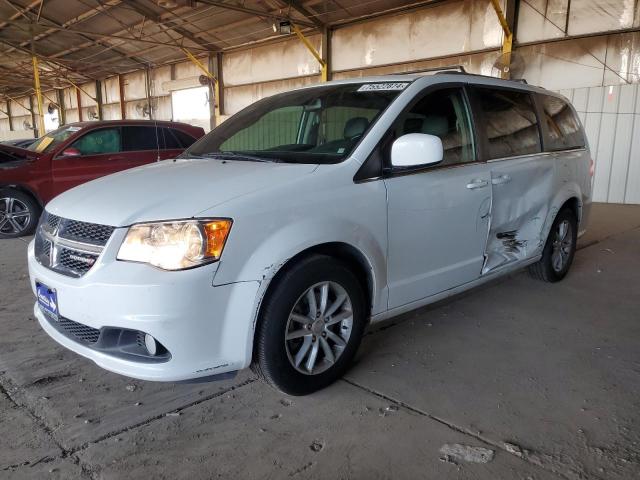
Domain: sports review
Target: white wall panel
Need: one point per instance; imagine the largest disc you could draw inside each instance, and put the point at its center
(111, 90)
(588, 16)
(611, 116)
(447, 29)
(286, 59)
(542, 20)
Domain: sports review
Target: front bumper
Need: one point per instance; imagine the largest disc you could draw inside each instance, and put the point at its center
(207, 330)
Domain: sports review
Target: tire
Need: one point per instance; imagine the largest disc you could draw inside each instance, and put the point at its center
(19, 213)
(286, 313)
(549, 268)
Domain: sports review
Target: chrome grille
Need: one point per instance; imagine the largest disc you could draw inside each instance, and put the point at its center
(86, 232)
(68, 246)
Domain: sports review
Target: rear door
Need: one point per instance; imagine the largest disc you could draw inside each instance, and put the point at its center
(146, 144)
(100, 154)
(437, 216)
(522, 176)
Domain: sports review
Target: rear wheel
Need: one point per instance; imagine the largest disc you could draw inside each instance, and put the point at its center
(559, 249)
(310, 326)
(19, 213)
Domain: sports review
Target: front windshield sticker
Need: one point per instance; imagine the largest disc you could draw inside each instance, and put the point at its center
(375, 87)
(46, 141)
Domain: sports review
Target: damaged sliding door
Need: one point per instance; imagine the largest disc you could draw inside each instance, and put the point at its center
(522, 176)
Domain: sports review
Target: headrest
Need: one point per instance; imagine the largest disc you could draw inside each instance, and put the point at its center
(435, 125)
(355, 127)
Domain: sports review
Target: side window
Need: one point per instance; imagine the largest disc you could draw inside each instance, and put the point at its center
(97, 142)
(185, 140)
(141, 138)
(445, 114)
(563, 128)
(510, 122)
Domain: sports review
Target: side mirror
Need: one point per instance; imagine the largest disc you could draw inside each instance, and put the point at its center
(71, 152)
(415, 149)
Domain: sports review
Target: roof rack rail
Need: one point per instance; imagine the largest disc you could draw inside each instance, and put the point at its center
(447, 69)
(453, 72)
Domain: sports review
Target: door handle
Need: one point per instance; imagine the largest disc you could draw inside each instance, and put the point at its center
(477, 183)
(502, 179)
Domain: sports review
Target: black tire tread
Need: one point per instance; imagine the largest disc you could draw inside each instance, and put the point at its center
(260, 362)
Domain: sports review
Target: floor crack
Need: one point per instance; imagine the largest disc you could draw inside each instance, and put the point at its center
(526, 456)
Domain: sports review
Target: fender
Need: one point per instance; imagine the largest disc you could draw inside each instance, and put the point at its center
(274, 252)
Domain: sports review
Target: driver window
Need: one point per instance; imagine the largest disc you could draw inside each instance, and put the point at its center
(445, 114)
(97, 142)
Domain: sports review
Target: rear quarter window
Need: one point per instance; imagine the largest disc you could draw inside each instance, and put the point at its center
(563, 130)
(510, 122)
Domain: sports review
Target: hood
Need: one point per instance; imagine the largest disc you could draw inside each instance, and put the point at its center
(13, 155)
(170, 190)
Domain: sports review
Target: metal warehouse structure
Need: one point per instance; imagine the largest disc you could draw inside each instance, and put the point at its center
(199, 61)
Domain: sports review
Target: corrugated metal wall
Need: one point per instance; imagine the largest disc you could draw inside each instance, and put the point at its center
(611, 116)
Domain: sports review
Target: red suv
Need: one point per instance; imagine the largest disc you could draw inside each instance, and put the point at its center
(75, 154)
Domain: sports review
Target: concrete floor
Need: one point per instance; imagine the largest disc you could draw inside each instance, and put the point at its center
(547, 377)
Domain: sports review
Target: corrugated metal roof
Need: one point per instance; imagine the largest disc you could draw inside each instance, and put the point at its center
(93, 39)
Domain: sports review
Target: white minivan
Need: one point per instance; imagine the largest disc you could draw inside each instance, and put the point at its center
(278, 237)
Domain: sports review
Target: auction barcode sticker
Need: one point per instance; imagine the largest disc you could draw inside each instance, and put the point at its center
(372, 87)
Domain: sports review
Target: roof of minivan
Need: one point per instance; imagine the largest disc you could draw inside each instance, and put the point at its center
(442, 77)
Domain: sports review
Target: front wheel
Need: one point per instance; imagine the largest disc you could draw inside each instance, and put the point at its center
(19, 213)
(559, 250)
(310, 326)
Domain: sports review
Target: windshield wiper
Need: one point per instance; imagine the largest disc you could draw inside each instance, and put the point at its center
(235, 156)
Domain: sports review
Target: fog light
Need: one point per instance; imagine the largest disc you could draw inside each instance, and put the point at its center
(150, 343)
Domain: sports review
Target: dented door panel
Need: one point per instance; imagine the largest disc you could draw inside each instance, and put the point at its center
(523, 189)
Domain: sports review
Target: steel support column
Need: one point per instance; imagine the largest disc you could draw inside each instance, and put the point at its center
(79, 101)
(324, 68)
(99, 99)
(507, 22)
(214, 80)
(62, 110)
(33, 118)
(36, 84)
(9, 116)
(123, 109)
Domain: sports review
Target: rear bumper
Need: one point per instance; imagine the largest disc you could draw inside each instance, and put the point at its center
(207, 330)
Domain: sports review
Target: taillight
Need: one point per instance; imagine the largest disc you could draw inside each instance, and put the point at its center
(592, 168)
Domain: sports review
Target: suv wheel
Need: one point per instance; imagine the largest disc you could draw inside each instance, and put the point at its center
(310, 326)
(559, 250)
(19, 214)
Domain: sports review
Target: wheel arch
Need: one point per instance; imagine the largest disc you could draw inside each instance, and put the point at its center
(24, 189)
(344, 252)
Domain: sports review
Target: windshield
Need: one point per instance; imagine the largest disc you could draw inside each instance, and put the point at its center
(51, 140)
(312, 125)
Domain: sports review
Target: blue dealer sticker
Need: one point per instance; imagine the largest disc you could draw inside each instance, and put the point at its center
(47, 299)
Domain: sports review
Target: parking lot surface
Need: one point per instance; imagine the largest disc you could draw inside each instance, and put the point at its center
(516, 379)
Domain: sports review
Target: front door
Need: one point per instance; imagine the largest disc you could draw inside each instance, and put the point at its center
(98, 153)
(438, 217)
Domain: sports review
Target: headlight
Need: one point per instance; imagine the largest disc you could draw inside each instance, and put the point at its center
(175, 245)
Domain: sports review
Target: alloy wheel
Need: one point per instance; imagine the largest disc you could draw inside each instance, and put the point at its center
(562, 245)
(14, 215)
(318, 328)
